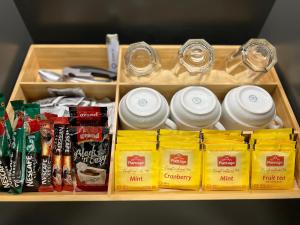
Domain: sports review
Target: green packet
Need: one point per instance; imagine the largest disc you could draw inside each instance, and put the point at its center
(17, 163)
(5, 181)
(33, 147)
(8, 127)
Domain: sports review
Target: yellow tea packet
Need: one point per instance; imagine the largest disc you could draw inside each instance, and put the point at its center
(136, 139)
(275, 131)
(222, 132)
(180, 166)
(273, 169)
(226, 167)
(125, 133)
(136, 167)
(181, 133)
(180, 139)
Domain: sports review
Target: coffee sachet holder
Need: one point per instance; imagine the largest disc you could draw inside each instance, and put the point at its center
(55, 57)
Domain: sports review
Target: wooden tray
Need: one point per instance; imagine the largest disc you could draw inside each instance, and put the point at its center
(54, 57)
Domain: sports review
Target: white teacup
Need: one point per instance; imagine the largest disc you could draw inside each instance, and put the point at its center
(145, 108)
(249, 107)
(195, 107)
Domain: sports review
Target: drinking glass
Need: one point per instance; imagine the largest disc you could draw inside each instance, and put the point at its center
(251, 61)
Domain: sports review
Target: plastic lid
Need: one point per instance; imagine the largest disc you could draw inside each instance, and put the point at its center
(143, 101)
(198, 100)
(254, 99)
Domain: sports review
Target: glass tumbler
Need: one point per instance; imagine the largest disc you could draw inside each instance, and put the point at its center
(251, 61)
(196, 57)
(141, 60)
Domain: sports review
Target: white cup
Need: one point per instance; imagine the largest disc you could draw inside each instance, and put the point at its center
(249, 107)
(145, 108)
(193, 108)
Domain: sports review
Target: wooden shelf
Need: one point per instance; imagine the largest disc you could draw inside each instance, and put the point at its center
(30, 87)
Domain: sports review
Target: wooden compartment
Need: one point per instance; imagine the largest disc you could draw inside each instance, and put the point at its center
(29, 87)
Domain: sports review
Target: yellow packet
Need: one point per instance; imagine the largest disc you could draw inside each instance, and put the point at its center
(136, 139)
(273, 169)
(136, 167)
(125, 133)
(273, 145)
(222, 132)
(275, 131)
(181, 133)
(226, 167)
(179, 139)
(180, 166)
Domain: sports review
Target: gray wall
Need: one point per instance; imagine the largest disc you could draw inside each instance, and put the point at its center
(14, 42)
(282, 28)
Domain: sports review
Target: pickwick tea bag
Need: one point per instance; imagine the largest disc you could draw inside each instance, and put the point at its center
(273, 167)
(133, 133)
(136, 167)
(180, 165)
(137, 139)
(191, 134)
(226, 167)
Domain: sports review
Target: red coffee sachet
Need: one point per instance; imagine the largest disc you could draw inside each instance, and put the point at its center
(88, 116)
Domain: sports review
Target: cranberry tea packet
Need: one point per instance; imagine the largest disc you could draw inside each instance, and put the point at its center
(91, 154)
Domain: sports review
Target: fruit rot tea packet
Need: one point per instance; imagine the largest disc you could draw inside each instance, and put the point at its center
(88, 116)
(91, 146)
(18, 157)
(33, 147)
(273, 167)
(226, 167)
(47, 136)
(60, 124)
(9, 130)
(180, 165)
(67, 161)
(5, 181)
(136, 167)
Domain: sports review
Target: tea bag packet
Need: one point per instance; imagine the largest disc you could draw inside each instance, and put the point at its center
(222, 132)
(226, 167)
(49, 102)
(70, 101)
(91, 146)
(136, 167)
(137, 139)
(68, 92)
(180, 165)
(191, 134)
(18, 156)
(47, 139)
(132, 133)
(273, 167)
(5, 181)
(33, 147)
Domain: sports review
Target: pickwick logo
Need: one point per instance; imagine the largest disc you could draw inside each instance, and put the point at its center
(275, 160)
(178, 159)
(226, 160)
(136, 161)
